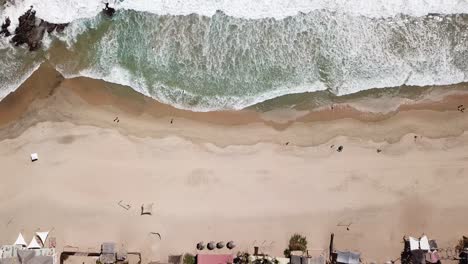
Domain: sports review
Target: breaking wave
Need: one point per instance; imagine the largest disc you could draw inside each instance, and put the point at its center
(187, 54)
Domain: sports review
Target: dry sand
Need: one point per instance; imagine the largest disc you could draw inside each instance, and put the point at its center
(226, 175)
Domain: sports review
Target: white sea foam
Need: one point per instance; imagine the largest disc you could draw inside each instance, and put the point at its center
(62, 11)
(8, 88)
(378, 67)
(179, 98)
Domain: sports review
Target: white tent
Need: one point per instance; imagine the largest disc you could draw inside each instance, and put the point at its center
(424, 243)
(414, 243)
(34, 244)
(43, 236)
(20, 241)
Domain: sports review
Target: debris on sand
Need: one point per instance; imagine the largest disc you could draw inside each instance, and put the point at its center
(461, 108)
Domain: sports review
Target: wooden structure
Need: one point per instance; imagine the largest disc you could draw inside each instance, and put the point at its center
(108, 254)
(342, 257)
(419, 251)
(463, 250)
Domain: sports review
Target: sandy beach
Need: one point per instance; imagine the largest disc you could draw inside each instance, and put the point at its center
(255, 178)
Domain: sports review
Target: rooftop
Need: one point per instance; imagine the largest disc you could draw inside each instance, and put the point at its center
(215, 258)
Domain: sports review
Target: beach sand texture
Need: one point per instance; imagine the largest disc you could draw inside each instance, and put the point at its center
(226, 175)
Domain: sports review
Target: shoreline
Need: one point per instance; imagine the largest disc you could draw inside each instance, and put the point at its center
(46, 85)
(227, 175)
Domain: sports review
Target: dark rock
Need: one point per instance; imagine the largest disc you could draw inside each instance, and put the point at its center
(31, 30)
(27, 32)
(7, 23)
(61, 27)
(5, 26)
(109, 11)
(51, 27)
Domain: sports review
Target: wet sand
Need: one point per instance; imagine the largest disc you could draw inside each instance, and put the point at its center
(227, 175)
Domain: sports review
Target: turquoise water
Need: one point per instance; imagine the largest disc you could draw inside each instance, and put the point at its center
(222, 62)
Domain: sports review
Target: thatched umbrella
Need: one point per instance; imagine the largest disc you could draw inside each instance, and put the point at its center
(220, 245)
(200, 245)
(211, 245)
(231, 245)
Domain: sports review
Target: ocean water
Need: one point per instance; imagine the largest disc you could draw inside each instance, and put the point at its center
(208, 55)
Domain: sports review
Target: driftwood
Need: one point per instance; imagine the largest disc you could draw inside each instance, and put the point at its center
(124, 206)
(156, 234)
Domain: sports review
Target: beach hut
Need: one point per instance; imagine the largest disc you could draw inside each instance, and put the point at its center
(175, 259)
(214, 259)
(34, 157)
(108, 253)
(231, 245)
(298, 259)
(347, 257)
(344, 257)
(33, 244)
(220, 245)
(211, 245)
(419, 251)
(25, 256)
(20, 241)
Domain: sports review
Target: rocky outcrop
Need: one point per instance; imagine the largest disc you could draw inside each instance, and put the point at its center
(4, 30)
(109, 11)
(31, 30)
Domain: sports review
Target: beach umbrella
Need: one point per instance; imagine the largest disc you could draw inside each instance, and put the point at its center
(231, 245)
(220, 245)
(211, 245)
(200, 245)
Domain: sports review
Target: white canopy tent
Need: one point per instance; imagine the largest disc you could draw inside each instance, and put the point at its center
(414, 243)
(20, 241)
(424, 243)
(43, 236)
(34, 244)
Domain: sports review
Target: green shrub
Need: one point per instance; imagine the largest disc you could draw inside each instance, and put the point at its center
(296, 242)
(189, 259)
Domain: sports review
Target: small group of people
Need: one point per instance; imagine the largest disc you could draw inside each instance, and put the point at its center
(461, 108)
